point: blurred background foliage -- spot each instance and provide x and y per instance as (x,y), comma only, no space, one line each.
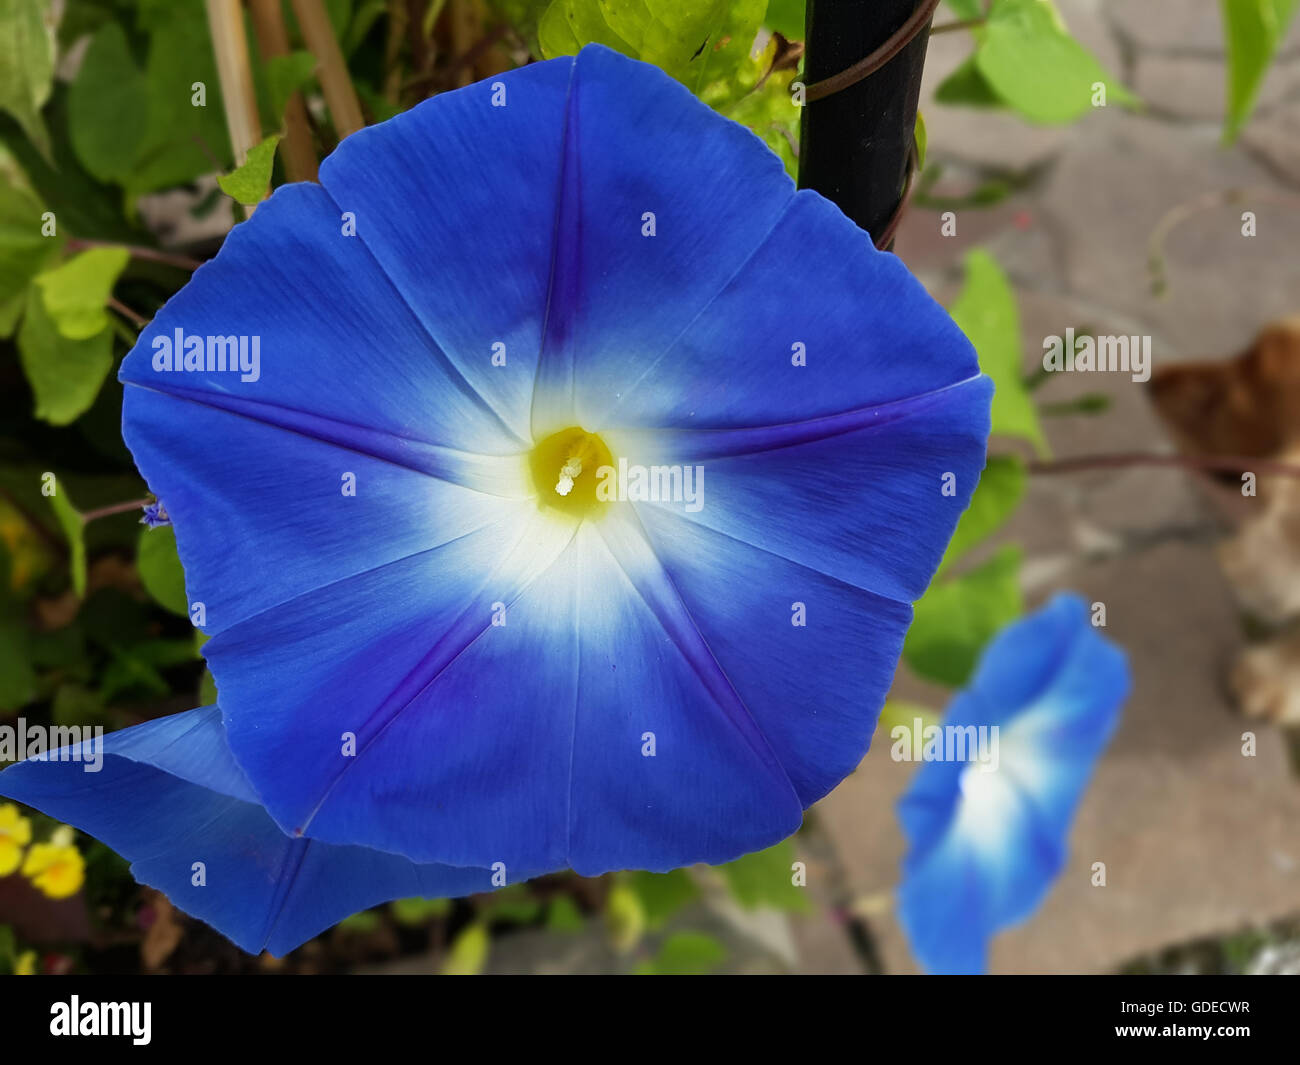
(118,177)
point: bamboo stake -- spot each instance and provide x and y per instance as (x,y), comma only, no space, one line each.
(230,46)
(332,70)
(300,163)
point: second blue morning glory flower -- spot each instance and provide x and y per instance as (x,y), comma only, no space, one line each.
(988,835)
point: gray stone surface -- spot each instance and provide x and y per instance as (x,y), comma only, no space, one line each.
(1183,86)
(1192,86)
(1274,140)
(1168,25)
(1111,189)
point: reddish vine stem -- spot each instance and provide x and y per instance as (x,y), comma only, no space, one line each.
(182,262)
(134,317)
(1121,460)
(114,508)
(961,24)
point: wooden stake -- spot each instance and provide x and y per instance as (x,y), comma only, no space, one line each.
(230,46)
(300,163)
(332,69)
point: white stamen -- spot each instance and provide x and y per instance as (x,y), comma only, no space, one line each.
(568,472)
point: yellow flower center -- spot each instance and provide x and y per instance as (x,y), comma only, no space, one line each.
(566,469)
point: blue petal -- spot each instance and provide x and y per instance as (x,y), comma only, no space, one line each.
(815,291)
(991,868)
(339,348)
(638,143)
(456,199)
(814,687)
(168,794)
(714,788)
(985,846)
(260,511)
(518,742)
(869,498)
(388,661)
(256,475)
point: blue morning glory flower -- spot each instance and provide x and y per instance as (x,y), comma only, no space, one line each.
(986,841)
(554,482)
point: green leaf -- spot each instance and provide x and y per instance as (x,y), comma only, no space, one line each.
(286,75)
(24,252)
(685,954)
(564,916)
(160,569)
(768,110)
(624,917)
(105,103)
(416,911)
(898,712)
(76,293)
(966,9)
(73,526)
(17,672)
(514,904)
(468,953)
(27,65)
(986,312)
(966,87)
(76,705)
(180,141)
(362,923)
(765,878)
(11,310)
(17,677)
(249,182)
(1252,31)
(919,135)
(361,24)
(65,375)
(137,668)
(207,689)
(786,17)
(1090,403)
(696,43)
(523,15)
(1001,486)
(662,894)
(340,14)
(957,617)
(1030,60)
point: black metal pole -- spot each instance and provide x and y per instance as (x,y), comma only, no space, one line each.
(855,143)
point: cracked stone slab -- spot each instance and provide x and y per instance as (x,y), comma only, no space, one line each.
(1274,137)
(1169,25)
(1193,87)
(1111,189)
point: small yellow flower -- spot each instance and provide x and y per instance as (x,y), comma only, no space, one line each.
(56,868)
(15,834)
(26,964)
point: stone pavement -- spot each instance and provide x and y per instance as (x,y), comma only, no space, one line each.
(1197,839)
